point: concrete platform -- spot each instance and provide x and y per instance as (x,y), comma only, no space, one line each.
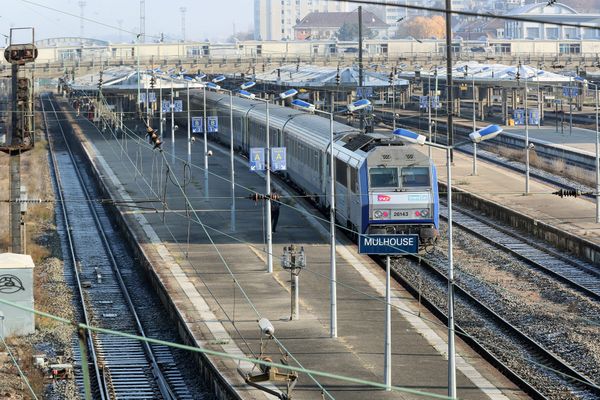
(198,265)
(579,139)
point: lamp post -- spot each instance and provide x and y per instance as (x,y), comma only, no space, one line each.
(474,121)
(518,78)
(160,126)
(218,88)
(597,160)
(526,136)
(248,95)
(357,105)
(172,119)
(189,120)
(486,133)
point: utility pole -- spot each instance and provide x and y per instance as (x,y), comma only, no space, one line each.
(360,62)
(449,159)
(449,85)
(20,137)
(142,21)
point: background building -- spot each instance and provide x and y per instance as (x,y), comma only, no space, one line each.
(275,19)
(555,13)
(319,25)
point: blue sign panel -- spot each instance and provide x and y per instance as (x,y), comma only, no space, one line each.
(534,116)
(519,116)
(197,125)
(178,105)
(166,106)
(213,124)
(151,97)
(388,244)
(569,91)
(278,159)
(429,101)
(257,159)
(364,92)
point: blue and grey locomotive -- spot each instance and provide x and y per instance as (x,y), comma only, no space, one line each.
(382,185)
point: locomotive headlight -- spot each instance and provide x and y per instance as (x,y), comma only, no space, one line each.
(378,214)
(424,213)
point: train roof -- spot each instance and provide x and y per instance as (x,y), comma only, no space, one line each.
(350,145)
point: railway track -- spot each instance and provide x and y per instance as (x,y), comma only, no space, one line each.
(526,362)
(121,368)
(579,275)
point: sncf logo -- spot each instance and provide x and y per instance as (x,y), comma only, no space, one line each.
(383,197)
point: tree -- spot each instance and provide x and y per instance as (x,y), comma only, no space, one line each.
(424,28)
(349,31)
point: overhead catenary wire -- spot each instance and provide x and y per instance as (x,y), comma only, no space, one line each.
(206,226)
(235,280)
(465,13)
(219,354)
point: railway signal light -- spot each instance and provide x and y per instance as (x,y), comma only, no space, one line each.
(152,82)
(154,138)
(568,193)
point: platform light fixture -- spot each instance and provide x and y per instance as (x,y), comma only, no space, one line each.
(486,133)
(287,94)
(218,79)
(213,86)
(358,105)
(489,132)
(304,105)
(247,95)
(247,85)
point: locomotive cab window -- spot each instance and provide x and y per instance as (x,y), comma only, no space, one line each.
(383,177)
(415,176)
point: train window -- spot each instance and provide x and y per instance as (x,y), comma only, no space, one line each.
(383,177)
(340,172)
(415,176)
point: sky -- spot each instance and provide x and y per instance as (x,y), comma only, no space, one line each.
(212,19)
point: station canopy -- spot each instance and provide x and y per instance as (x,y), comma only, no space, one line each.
(126,78)
(492,74)
(296,75)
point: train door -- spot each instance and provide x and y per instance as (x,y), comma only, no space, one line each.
(341,190)
(354,195)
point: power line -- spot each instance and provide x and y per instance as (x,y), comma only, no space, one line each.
(466,335)
(465,13)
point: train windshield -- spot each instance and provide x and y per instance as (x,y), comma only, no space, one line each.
(415,176)
(384,177)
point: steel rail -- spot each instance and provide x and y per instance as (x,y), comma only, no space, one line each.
(157,374)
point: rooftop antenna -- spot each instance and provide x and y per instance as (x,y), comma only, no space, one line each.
(183,11)
(142,37)
(81,26)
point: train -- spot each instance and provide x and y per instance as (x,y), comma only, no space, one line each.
(383,186)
